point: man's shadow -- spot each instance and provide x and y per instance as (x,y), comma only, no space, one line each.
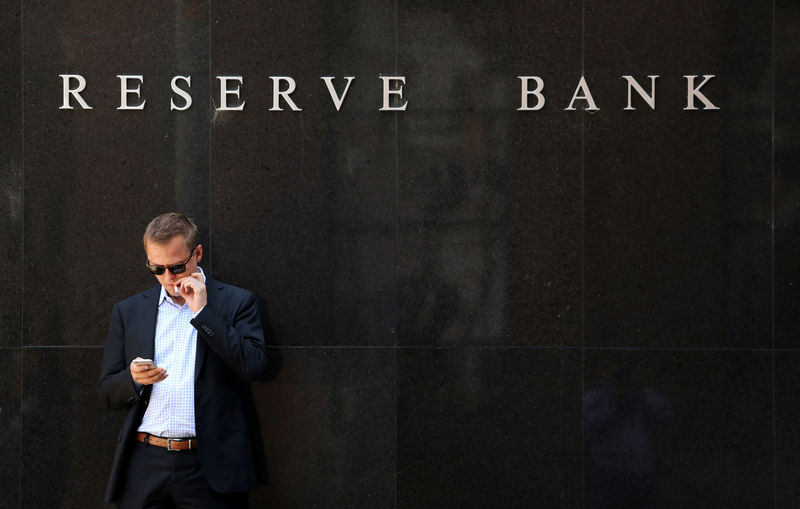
(274,365)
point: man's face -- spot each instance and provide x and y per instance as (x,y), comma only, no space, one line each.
(169,253)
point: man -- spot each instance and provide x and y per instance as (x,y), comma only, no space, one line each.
(188,435)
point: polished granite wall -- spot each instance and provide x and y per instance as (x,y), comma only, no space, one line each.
(473,306)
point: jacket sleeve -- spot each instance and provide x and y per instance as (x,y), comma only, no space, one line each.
(116,387)
(240,345)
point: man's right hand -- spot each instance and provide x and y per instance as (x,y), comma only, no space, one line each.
(146,375)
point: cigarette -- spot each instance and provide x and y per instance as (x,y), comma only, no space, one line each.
(176,289)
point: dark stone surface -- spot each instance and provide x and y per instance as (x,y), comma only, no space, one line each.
(93,178)
(488,212)
(545,252)
(488,428)
(457,256)
(69,440)
(10,425)
(669,429)
(11,206)
(677,204)
(787,176)
(302,203)
(329,427)
(787,429)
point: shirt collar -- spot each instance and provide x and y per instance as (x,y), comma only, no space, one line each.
(165,296)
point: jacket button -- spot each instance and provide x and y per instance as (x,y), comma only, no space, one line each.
(131,399)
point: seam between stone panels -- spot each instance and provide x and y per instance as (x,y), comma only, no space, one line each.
(21,421)
(513,348)
(22,230)
(772,174)
(583,262)
(772,250)
(208,149)
(62,347)
(396,278)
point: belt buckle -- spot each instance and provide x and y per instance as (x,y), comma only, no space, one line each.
(170,440)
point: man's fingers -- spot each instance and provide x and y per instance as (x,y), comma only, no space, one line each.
(138,368)
(142,368)
(151,381)
(194,281)
(155,379)
(157,375)
(150,373)
(186,285)
(146,374)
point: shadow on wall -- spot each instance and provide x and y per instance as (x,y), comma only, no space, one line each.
(274,357)
(621,421)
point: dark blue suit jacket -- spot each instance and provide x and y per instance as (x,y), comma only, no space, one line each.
(230,353)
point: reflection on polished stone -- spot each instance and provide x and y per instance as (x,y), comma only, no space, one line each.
(678,429)
(677,242)
(488,222)
(328,424)
(303,202)
(488,428)
(787,429)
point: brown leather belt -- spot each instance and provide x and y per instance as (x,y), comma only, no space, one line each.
(171,444)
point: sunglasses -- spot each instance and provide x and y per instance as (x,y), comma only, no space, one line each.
(178,268)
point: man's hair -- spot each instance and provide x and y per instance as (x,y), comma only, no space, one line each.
(166,226)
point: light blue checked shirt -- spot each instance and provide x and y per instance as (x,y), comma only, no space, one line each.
(170,412)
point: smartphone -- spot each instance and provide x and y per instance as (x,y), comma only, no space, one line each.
(145,362)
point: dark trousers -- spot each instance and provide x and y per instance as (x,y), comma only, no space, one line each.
(158,478)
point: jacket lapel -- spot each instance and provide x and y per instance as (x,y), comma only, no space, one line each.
(149,315)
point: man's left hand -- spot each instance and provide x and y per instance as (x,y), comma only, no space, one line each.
(193,290)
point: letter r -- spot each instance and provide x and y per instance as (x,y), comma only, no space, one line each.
(74,92)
